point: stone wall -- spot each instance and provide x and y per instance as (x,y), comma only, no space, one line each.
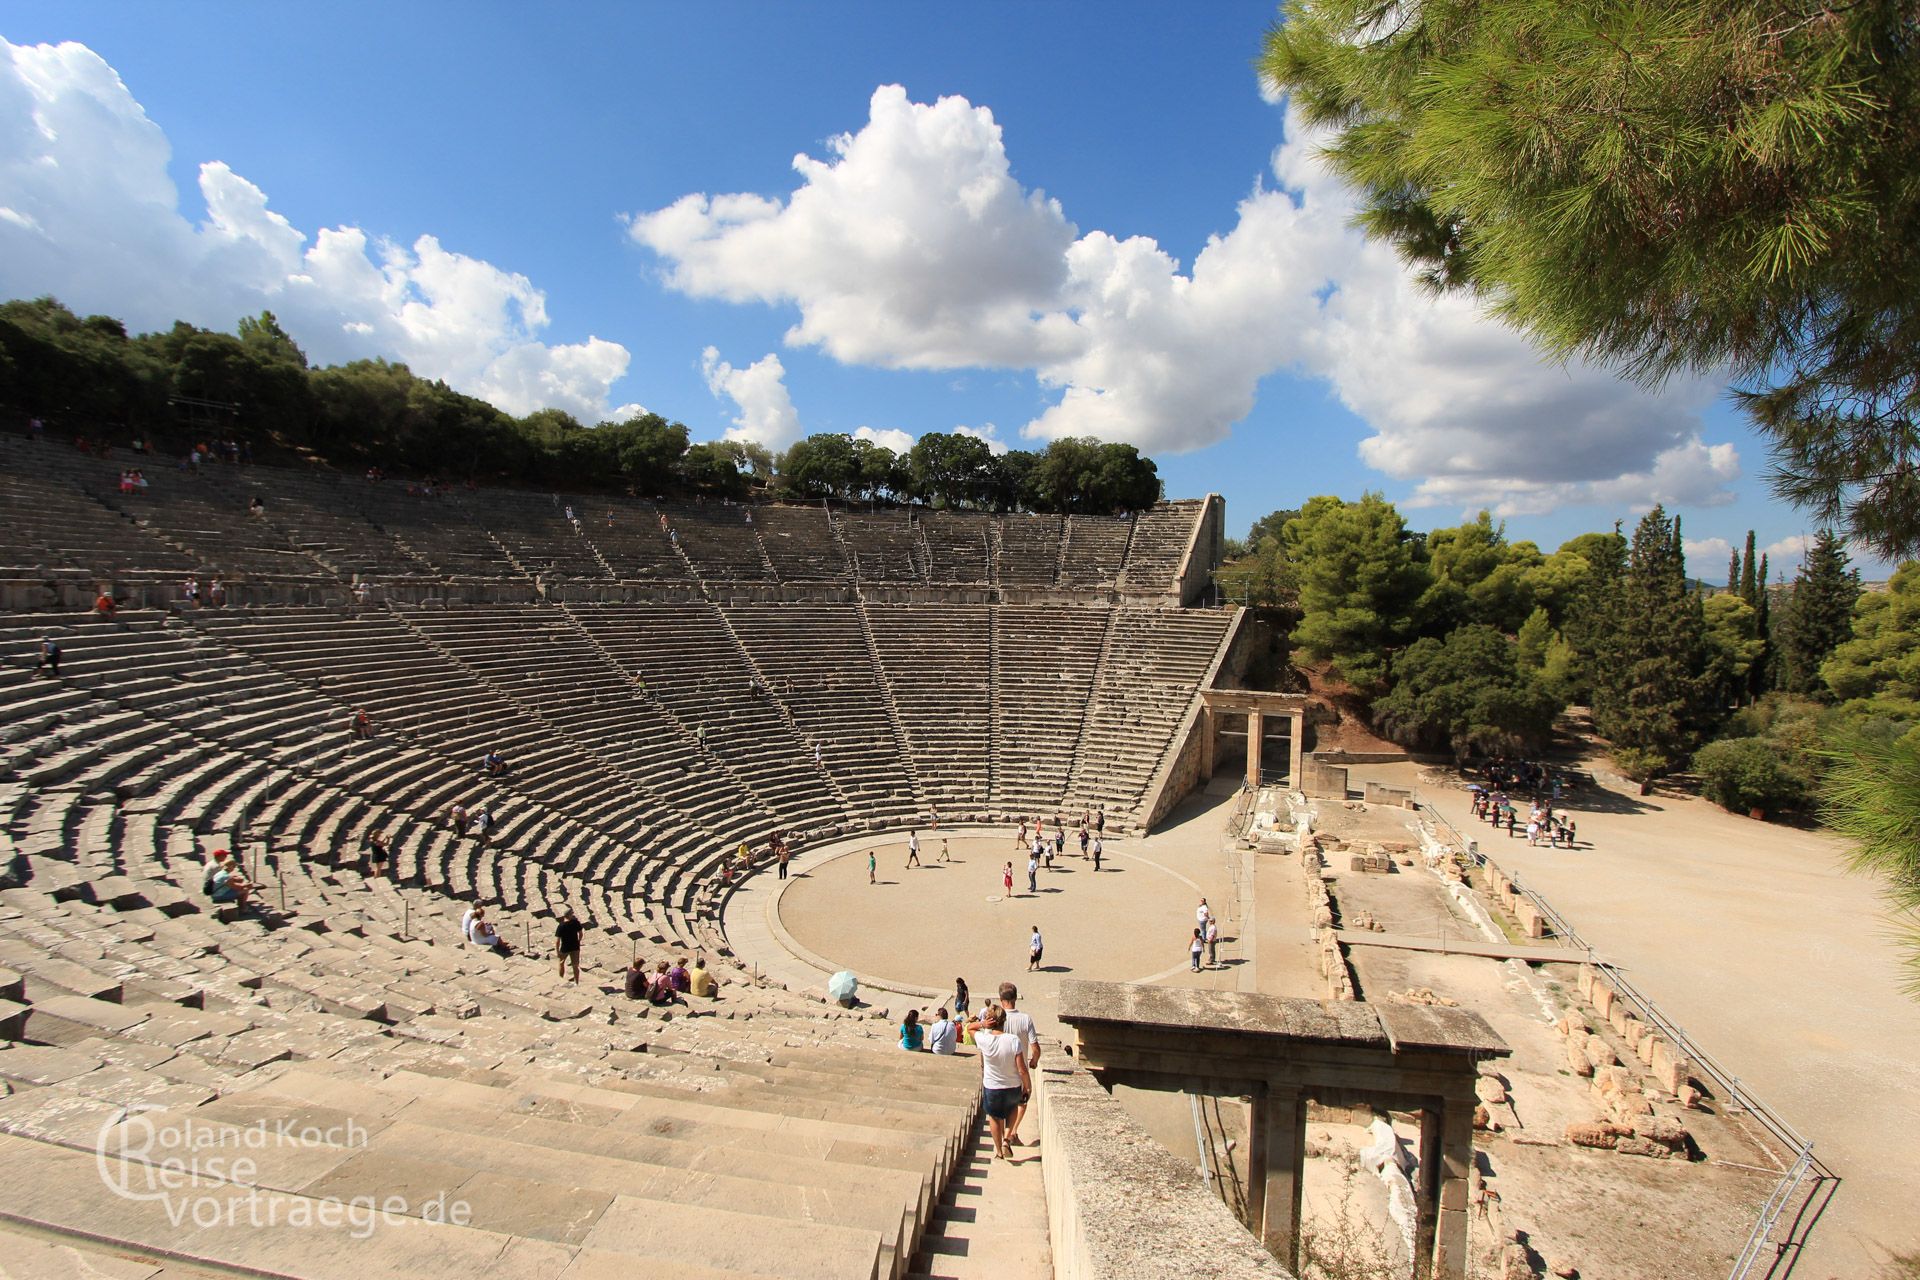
(1204,552)
(1322,781)
(1122,1207)
(1187,766)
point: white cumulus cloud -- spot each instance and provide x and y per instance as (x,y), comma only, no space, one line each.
(911,245)
(759,391)
(93,217)
(891,438)
(989,433)
(1703,553)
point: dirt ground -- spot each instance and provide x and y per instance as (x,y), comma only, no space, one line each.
(1611,1215)
(1753,937)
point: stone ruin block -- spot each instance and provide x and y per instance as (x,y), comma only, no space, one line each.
(1643,1044)
(1603,998)
(1577,1060)
(1584,984)
(1599,1134)
(1671,1070)
(1618,1017)
(1598,1054)
(1636,1146)
(1532,923)
(1668,1132)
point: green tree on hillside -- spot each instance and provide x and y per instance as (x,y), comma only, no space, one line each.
(1467,693)
(1478,576)
(1261,574)
(1359,583)
(1818,616)
(1877,670)
(1664,185)
(1651,655)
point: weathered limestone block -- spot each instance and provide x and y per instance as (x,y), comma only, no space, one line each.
(1515,1264)
(1577,1060)
(1643,1043)
(1527,916)
(1489,1089)
(1599,1054)
(1631,1108)
(1668,1132)
(1670,1069)
(1619,1017)
(1602,999)
(1599,1134)
(1632,1146)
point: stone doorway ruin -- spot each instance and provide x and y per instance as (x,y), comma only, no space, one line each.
(1284,1052)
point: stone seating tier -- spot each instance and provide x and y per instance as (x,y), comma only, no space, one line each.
(66,517)
(584,1129)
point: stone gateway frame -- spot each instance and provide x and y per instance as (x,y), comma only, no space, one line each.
(1283,1052)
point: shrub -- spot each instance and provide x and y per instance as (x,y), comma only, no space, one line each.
(1746,773)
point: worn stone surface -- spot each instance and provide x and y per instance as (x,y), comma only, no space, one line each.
(1129,1197)
(1193,1009)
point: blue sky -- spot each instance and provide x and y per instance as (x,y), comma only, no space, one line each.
(914,280)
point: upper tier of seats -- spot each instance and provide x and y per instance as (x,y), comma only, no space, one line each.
(66,516)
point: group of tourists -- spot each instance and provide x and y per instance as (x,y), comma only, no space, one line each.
(133,480)
(671,982)
(1008,1046)
(1042,849)
(1543,821)
(1205,940)
(223,881)
(216,593)
(475,822)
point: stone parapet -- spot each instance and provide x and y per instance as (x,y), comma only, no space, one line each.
(1121,1207)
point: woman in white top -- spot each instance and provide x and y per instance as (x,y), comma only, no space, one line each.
(1004,1079)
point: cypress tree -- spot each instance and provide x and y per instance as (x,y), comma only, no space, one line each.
(1749,589)
(1733,574)
(1818,615)
(1648,681)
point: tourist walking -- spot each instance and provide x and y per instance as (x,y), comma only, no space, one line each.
(1020,1026)
(960,1002)
(781,856)
(1099,847)
(1194,949)
(1004,1077)
(913,848)
(945,856)
(1033,872)
(566,943)
(873,865)
(1006,880)
(1035,945)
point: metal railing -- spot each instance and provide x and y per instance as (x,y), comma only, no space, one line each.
(1726,1085)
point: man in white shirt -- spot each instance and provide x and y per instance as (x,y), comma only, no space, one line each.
(1021,1025)
(1035,945)
(1201,915)
(942,1035)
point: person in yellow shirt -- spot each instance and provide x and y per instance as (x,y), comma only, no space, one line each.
(701,982)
